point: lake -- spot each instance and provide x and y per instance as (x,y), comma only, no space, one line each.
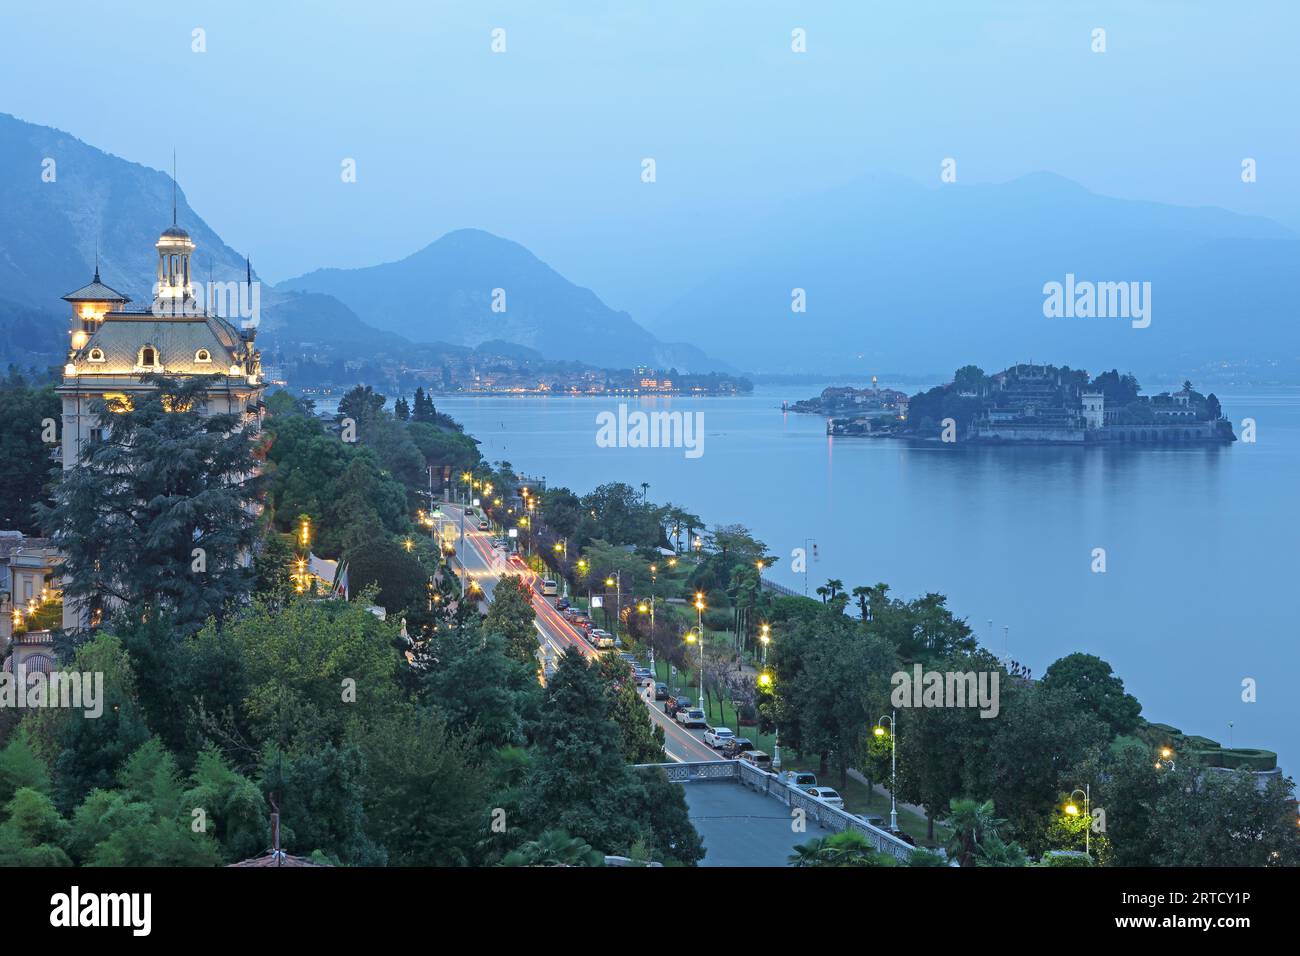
(1197,540)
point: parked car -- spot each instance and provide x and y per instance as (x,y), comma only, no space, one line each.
(549,587)
(661,691)
(826,795)
(733,748)
(674,704)
(758,759)
(643,677)
(799,778)
(562,604)
(484,524)
(691,717)
(715,737)
(602,638)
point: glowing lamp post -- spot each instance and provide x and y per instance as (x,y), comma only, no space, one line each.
(879,731)
(1072,809)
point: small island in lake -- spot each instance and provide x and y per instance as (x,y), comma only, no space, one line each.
(1043,404)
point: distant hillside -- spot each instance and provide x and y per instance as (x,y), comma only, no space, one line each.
(445,292)
(49,231)
(901,276)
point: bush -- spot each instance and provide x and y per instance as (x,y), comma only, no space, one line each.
(1066,858)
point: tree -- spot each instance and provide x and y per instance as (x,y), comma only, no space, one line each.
(314,669)
(1099,689)
(401,579)
(578,780)
(477,688)
(25,455)
(402,410)
(234,808)
(969,378)
(86,752)
(554,848)
(642,741)
(32,831)
(160,511)
(20,767)
(846,848)
(974,824)
(142,822)
(426,792)
(320,789)
(1225,819)
(511,616)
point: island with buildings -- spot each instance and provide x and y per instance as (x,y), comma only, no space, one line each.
(1039,404)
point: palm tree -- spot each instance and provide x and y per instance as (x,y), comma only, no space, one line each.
(555,848)
(862,593)
(645,491)
(973,825)
(836,586)
(846,848)
(823,592)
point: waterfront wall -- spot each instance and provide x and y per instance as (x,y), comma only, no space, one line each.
(770,784)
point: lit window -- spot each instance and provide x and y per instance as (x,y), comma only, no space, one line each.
(96,355)
(202,355)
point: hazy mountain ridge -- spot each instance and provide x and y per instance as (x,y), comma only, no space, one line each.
(445,291)
(902,276)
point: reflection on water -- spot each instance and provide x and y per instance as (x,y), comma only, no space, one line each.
(1198,540)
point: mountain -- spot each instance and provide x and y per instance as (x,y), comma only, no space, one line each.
(445,292)
(901,276)
(50,231)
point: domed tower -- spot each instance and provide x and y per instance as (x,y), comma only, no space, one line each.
(174,290)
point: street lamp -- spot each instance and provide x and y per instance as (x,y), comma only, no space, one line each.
(765,635)
(879,731)
(693,638)
(1072,809)
(1166,757)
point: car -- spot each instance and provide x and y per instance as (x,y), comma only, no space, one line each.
(757,758)
(643,677)
(484,524)
(516,560)
(562,604)
(715,737)
(601,638)
(691,717)
(733,748)
(826,795)
(629,657)
(674,704)
(799,778)
(549,587)
(661,691)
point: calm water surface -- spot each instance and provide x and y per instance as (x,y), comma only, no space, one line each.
(1200,581)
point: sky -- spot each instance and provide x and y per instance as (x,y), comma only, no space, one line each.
(543,143)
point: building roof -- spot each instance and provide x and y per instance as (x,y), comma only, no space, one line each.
(277,858)
(96,291)
(176,339)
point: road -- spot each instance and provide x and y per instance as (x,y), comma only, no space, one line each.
(485,566)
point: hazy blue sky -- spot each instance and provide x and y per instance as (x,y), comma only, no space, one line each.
(543,143)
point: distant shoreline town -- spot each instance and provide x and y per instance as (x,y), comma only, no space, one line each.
(528,379)
(1026,404)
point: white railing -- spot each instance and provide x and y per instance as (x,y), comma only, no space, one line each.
(745,774)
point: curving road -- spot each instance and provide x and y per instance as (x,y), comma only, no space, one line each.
(485,566)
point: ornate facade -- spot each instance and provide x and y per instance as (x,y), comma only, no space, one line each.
(114,346)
